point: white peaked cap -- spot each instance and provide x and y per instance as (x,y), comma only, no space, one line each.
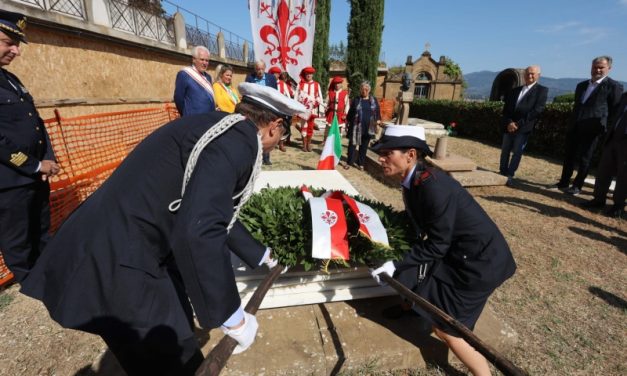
(270,99)
(405,130)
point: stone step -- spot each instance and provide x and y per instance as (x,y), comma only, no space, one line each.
(324,339)
(478,178)
(453,163)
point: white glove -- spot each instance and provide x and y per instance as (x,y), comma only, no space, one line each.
(270,262)
(387,268)
(244,335)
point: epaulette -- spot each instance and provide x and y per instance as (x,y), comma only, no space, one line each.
(423,176)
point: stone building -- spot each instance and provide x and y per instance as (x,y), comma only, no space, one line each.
(428,80)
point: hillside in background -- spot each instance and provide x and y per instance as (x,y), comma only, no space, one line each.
(480,84)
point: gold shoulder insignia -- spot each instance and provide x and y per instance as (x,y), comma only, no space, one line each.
(21,23)
(18,159)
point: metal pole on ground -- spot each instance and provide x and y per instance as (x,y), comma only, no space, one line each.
(220,354)
(500,362)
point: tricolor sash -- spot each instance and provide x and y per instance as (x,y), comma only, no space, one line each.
(200,79)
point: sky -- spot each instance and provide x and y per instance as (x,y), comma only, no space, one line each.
(562,36)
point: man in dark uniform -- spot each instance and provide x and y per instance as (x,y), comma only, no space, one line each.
(26,160)
(459,257)
(613,163)
(158,234)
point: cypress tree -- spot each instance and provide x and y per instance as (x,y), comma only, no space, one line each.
(320,59)
(364,43)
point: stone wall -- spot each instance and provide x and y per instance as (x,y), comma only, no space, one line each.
(82,68)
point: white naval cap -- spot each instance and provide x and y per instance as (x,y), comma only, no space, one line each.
(401,137)
(270,99)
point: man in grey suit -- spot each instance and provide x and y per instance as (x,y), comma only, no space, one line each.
(521,111)
(595,102)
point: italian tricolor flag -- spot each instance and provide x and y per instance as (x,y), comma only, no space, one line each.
(332,151)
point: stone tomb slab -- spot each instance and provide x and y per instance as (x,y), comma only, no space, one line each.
(454,163)
(478,178)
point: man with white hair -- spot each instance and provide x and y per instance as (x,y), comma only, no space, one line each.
(521,111)
(459,257)
(193,90)
(158,235)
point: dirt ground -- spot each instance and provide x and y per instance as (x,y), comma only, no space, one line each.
(567,300)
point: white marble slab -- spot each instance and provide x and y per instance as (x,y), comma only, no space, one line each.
(325,179)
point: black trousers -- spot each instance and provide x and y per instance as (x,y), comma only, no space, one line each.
(581,141)
(158,353)
(24,225)
(613,163)
(156,350)
(363,149)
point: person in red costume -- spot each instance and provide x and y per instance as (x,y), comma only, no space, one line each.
(337,104)
(310,95)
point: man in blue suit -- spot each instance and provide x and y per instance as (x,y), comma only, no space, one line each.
(260,77)
(521,111)
(193,91)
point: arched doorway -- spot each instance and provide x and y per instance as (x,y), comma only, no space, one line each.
(505,81)
(422,84)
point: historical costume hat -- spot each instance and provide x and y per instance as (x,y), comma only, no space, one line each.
(274,70)
(13,24)
(403,137)
(335,80)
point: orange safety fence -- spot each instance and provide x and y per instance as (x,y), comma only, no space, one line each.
(88,149)
(387,108)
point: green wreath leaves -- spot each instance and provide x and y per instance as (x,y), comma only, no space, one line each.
(280,218)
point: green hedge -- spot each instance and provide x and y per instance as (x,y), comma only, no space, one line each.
(480,121)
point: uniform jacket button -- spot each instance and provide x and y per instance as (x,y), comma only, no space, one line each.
(22,99)
(41,142)
(30,114)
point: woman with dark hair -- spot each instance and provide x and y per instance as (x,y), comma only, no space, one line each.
(363,118)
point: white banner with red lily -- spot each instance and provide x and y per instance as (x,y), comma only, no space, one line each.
(283,33)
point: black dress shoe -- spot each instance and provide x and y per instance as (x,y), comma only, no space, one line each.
(592,204)
(616,212)
(573,191)
(395,312)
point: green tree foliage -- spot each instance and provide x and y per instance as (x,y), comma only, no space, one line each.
(452,69)
(150,6)
(320,59)
(564,98)
(364,42)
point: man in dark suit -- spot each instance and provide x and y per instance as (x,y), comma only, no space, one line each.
(26,160)
(158,235)
(460,257)
(521,111)
(260,77)
(595,102)
(613,163)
